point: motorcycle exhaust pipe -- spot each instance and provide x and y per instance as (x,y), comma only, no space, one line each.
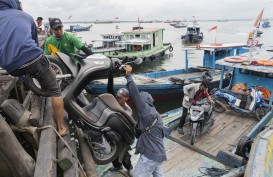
(63,76)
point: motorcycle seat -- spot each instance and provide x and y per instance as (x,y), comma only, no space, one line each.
(238,95)
(112,103)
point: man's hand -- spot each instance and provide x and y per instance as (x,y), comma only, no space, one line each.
(127,69)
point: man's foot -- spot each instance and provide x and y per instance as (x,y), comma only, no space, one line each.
(115,168)
(64,131)
(180,131)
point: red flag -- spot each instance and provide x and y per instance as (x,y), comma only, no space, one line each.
(258,19)
(116,18)
(69,17)
(213,28)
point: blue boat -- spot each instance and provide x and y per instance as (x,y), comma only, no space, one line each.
(78,28)
(266,24)
(165,85)
(232,132)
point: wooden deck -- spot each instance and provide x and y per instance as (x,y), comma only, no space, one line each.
(224,135)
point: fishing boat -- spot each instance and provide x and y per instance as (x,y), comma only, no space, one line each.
(232,132)
(107,43)
(78,28)
(266,24)
(193,35)
(146,43)
(180,24)
(165,85)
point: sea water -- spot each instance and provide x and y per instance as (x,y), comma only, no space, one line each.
(227,32)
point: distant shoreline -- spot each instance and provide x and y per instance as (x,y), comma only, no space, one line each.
(156,21)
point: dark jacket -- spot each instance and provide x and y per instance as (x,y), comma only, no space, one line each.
(150,143)
(18,38)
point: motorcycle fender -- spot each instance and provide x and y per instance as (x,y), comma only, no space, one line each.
(112,136)
(68,62)
(194,125)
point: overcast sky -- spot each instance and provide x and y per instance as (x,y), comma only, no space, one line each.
(91,10)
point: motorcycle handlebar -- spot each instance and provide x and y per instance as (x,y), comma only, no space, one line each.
(120,63)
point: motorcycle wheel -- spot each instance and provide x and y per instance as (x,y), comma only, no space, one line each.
(102,159)
(219,105)
(244,149)
(58,67)
(259,113)
(193,135)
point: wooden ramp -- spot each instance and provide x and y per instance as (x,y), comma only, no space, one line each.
(224,135)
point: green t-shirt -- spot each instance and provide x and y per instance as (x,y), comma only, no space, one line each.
(67,45)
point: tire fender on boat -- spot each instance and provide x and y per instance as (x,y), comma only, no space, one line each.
(235,59)
(171,49)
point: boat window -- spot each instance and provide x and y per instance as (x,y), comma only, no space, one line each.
(223,53)
(137,36)
(132,36)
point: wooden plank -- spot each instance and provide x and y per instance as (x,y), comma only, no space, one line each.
(37,105)
(89,164)
(46,163)
(13,154)
(67,161)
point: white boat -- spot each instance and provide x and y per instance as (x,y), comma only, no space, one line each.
(108,43)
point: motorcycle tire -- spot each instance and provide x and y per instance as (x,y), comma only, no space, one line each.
(58,67)
(193,135)
(243,148)
(115,150)
(259,113)
(219,105)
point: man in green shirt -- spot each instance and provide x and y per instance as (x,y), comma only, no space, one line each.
(61,41)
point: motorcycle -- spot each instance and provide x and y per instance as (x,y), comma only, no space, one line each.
(108,129)
(251,103)
(200,118)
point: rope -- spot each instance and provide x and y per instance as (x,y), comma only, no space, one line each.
(75,156)
(213,172)
(25,129)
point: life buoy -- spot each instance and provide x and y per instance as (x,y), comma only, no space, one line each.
(235,59)
(171,49)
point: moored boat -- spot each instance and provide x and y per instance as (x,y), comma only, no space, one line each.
(146,43)
(193,35)
(78,28)
(108,43)
(165,85)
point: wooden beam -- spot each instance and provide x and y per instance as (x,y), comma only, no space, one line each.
(89,164)
(66,160)
(13,154)
(46,163)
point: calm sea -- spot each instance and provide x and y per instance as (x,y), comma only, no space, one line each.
(227,32)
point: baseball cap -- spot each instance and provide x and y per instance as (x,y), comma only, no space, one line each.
(123,92)
(55,23)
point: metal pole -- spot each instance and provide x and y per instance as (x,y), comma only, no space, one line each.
(186,60)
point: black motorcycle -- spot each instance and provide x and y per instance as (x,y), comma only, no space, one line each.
(108,129)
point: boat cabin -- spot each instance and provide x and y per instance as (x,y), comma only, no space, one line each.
(140,39)
(214,52)
(108,43)
(252,75)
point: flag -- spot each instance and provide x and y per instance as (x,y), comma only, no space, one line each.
(258,19)
(69,17)
(116,18)
(213,28)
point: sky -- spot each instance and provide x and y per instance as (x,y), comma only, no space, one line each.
(90,10)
